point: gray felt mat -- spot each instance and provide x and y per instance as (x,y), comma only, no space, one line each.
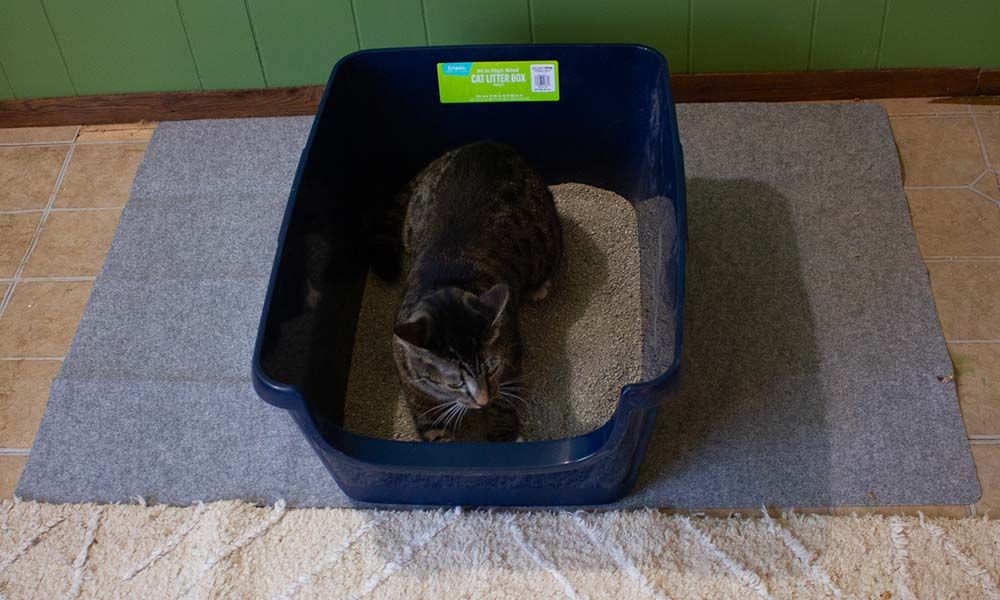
(813,350)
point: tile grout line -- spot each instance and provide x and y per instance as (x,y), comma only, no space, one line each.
(944,115)
(961,259)
(14,451)
(73,142)
(982,143)
(28,211)
(21,211)
(38,228)
(57,278)
(971,187)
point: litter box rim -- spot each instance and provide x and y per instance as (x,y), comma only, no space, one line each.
(639,400)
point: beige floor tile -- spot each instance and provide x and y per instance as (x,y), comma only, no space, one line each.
(16,231)
(24,389)
(10,472)
(73,243)
(118,132)
(100,176)
(977,374)
(28,175)
(23,135)
(938,150)
(989,126)
(988,468)
(954,511)
(41,318)
(989,185)
(923,106)
(966,296)
(955,223)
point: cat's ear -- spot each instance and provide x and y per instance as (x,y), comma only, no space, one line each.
(495,300)
(414,332)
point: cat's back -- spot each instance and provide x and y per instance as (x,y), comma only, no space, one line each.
(482,195)
(483,211)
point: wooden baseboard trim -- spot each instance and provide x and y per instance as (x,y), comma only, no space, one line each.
(707,87)
(989,82)
(825,85)
(160,106)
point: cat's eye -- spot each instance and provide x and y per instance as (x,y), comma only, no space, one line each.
(456,386)
(492,365)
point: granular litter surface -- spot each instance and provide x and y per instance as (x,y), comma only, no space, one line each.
(582,343)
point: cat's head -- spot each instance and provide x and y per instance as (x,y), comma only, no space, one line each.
(452,348)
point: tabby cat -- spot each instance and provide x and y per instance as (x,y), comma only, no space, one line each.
(481,233)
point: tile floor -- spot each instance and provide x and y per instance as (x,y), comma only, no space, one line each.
(62,189)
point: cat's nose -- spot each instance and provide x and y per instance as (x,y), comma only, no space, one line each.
(480,394)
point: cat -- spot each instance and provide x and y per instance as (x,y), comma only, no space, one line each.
(481,234)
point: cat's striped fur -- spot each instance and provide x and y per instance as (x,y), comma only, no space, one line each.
(482,234)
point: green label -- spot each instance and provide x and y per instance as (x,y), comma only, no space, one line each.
(506,81)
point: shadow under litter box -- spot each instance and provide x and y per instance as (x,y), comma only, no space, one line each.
(582,343)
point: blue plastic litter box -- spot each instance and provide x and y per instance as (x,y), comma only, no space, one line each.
(380,121)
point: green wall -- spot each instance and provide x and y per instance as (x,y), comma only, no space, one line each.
(67,47)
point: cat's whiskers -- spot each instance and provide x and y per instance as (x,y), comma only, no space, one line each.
(436,407)
(446,414)
(454,414)
(512,395)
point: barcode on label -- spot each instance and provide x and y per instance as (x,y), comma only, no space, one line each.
(543,78)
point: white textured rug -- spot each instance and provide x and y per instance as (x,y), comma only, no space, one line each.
(236,550)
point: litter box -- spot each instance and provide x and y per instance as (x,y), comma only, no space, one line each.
(610,123)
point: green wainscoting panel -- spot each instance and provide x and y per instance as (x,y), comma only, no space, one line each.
(115,46)
(300,40)
(65,47)
(662,24)
(938,33)
(477,21)
(390,23)
(757,35)
(29,53)
(846,34)
(222,43)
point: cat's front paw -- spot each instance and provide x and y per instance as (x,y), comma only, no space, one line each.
(542,292)
(438,435)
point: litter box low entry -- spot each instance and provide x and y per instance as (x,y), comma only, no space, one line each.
(600,352)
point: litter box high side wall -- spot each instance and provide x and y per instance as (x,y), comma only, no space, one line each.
(73,47)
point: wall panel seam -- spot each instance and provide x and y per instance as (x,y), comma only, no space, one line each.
(812,36)
(357,28)
(690,39)
(531,21)
(427,31)
(256,45)
(187,38)
(3,72)
(427,23)
(62,57)
(881,34)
